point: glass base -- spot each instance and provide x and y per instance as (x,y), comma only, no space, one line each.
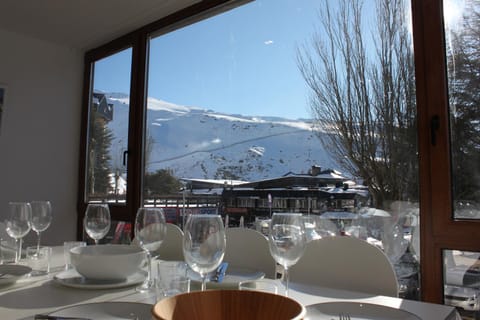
(146,286)
(38,273)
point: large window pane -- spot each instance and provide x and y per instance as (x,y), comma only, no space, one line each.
(462,25)
(106,172)
(305,106)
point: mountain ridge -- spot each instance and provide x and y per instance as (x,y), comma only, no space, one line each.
(200,143)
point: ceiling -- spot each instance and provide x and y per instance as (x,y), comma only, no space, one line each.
(83,24)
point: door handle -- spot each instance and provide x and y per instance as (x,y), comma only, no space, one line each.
(125,156)
(434,126)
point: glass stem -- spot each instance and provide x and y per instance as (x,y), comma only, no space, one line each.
(38,242)
(204,282)
(149,268)
(287,280)
(18,252)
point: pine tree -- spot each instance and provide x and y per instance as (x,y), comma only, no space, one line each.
(100,138)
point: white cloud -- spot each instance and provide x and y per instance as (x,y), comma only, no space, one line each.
(268,42)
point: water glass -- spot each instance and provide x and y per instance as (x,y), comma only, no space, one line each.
(7,250)
(67,246)
(204,243)
(41,217)
(39,260)
(97,221)
(172,278)
(286,241)
(150,230)
(18,224)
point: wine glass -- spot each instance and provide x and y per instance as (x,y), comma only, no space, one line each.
(204,244)
(41,218)
(287,241)
(150,230)
(97,221)
(18,224)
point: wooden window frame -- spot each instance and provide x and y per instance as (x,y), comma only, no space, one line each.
(439,231)
(138,41)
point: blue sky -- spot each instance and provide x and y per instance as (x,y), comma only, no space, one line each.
(241,62)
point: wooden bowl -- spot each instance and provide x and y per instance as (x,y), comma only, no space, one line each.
(228,305)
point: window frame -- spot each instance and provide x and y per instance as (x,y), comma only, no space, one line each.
(118,211)
(138,41)
(439,230)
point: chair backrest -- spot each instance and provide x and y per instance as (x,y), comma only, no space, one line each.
(344,262)
(248,248)
(172,246)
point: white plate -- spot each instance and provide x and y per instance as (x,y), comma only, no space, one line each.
(107,311)
(357,311)
(232,278)
(12,272)
(71,278)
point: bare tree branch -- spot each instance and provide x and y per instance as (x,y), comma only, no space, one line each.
(362,95)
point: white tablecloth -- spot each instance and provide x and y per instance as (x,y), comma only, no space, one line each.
(42,295)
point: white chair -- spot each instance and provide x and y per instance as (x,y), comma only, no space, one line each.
(248,248)
(172,246)
(344,262)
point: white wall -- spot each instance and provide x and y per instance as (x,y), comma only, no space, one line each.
(40,130)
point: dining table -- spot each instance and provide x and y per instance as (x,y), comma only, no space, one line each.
(31,295)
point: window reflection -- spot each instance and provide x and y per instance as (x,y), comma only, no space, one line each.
(462,22)
(106,172)
(462,281)
(300,111)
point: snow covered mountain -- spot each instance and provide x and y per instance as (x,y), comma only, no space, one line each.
(204,144)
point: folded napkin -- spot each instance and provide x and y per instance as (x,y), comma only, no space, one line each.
(220,273)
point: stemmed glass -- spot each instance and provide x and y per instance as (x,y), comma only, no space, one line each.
(287,241)
(150,230)
(18,224)
(41,218)
(97,221)
(204,244)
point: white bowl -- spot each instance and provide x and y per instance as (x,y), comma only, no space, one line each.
(107,262)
